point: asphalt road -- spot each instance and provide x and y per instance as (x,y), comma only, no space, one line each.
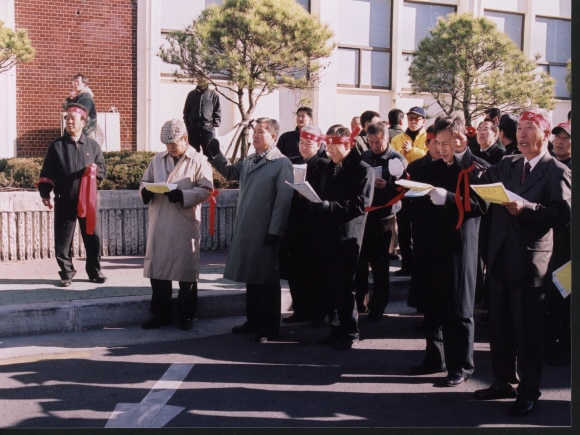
(208,377)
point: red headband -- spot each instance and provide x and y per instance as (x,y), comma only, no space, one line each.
(430,136)
(336,140)
(310,136)
(537,118)
(78,110)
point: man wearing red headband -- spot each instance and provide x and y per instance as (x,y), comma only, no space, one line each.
(520,248)
(69,159)
(296,263)
(346,188)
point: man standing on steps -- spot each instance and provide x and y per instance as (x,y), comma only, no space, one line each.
(201,114)
(82,94)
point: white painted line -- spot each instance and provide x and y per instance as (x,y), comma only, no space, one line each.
(152,411)
(276,414)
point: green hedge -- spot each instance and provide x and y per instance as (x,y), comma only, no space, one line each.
(125,169)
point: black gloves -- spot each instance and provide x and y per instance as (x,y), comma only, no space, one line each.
(174,195)
(272,238)
(146,195)
(319,207)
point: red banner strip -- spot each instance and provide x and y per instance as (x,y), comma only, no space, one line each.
(87,205)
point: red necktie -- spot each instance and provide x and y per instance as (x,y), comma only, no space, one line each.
(527,169)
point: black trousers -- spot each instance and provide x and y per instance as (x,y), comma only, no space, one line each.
(302,285)
(374,250)
(199,137)
(558,334)
(65,218)
(449,341)
(516,317)
(404,229)
(337,283)
(263,308)
(161,299)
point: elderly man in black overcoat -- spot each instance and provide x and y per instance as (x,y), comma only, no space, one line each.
(454,220)
(346,188)
(296,262)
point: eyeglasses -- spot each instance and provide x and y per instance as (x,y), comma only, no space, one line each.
(483,129)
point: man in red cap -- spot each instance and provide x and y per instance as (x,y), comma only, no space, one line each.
(520,248)
(69,169)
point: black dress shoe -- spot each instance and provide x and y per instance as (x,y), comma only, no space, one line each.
(99,279)
(402,272)
(454,380)
(294,318)
(65,282)
(156,322)
(522,407)
(496,391)
(244,329)
(559,359)
(363,310)
(317,323)
(185,324)
(374,317)
(424,369)
(345,342)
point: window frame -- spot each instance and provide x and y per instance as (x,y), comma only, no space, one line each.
(405,53)
(362,48)
(545,63)
(523,15)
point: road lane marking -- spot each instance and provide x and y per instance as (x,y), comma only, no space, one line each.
(275,414)
(152,411)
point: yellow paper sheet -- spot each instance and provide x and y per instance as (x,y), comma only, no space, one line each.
(562,279)
(494,193)
(160,187)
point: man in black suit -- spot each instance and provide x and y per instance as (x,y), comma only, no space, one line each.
(296,263)
(420,227)
(376,245)
(508,125)
(346,189)
(487,135)
(454,219)
(289,141)
(520,248)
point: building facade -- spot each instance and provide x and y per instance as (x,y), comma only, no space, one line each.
(115,43)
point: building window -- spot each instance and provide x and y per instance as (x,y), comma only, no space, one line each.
(510,24)
(364,49)
(553,38)
(304,3)
(417,20)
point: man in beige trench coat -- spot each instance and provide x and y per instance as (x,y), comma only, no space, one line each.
(263,207)
(173,241)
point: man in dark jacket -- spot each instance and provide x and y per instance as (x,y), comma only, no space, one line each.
(288,141)
(296,263)
(201,114)
(346,188)
(379,225)
(82,94)
(454,220)
(67,160)
(508,126)
(487,135)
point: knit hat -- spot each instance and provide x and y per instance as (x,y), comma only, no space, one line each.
(173,130)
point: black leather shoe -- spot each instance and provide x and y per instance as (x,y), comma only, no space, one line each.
(185,324)
(99,279)
(243,329)
(522,407)
(345,343)
(454,380)
(363,310)
(496,391)
(317,323)
(294,318)
(424,369)
(402,272)
(374,317)
(157,322)
(65,282)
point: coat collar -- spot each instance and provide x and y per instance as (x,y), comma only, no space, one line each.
(272,154)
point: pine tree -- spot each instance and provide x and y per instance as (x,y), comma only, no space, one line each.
(15,48)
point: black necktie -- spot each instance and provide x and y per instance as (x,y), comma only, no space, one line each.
(526,172)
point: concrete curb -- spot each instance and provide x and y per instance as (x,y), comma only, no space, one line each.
(78,315)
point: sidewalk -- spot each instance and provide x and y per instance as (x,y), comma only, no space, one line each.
(32,301)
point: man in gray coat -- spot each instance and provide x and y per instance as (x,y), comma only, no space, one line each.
(263,207)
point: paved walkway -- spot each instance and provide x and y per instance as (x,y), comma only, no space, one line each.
(37,281)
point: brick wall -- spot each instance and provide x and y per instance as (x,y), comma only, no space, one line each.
(97,38)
